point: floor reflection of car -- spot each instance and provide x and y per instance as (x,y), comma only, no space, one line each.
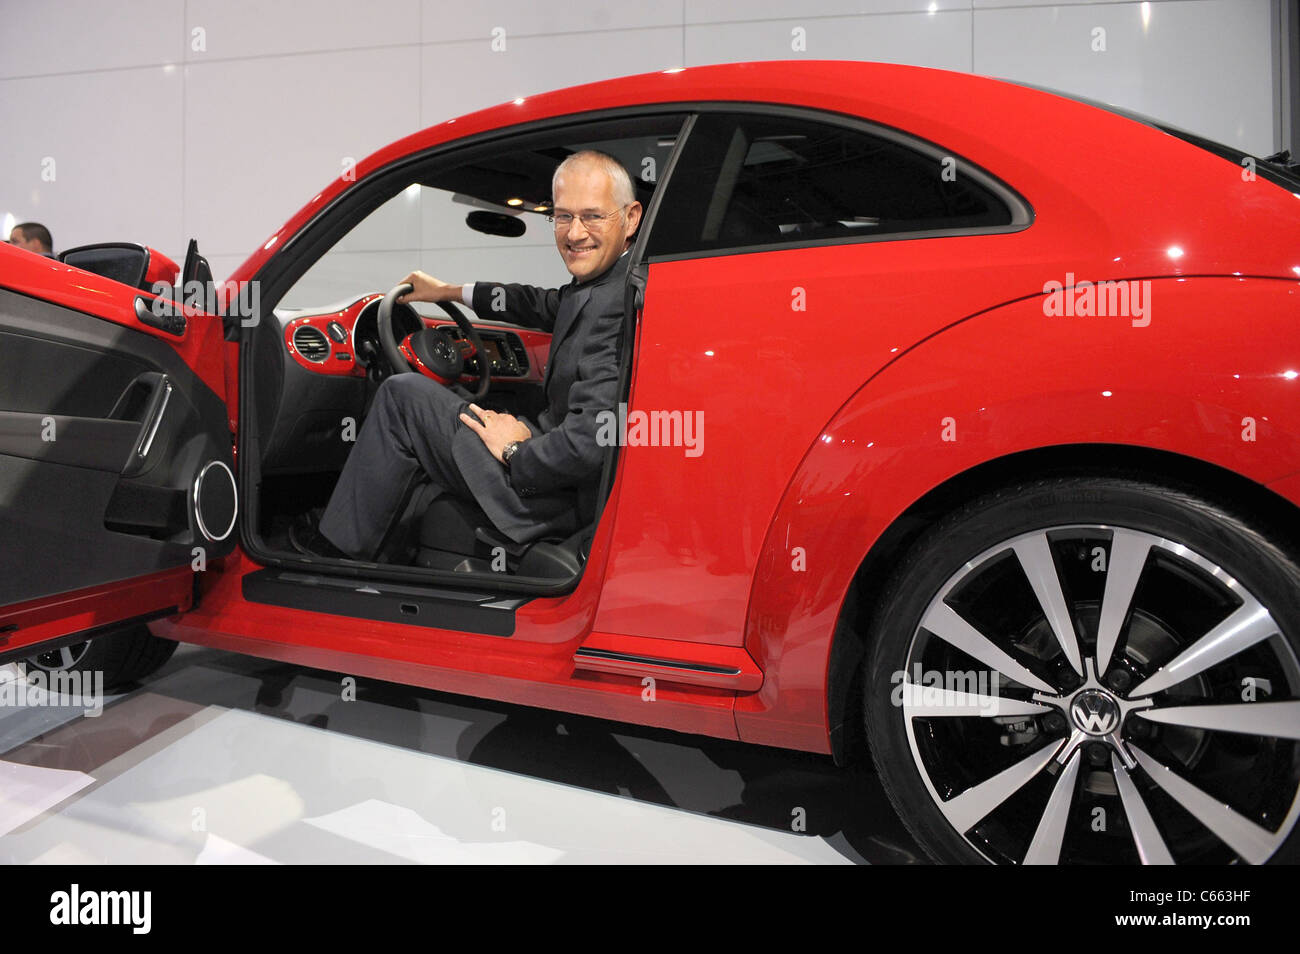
(997,483)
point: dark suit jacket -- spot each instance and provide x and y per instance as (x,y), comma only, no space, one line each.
(555,475)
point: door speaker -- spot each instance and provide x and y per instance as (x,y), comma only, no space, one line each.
(216,505)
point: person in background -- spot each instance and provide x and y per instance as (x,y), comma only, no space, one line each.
(34,237)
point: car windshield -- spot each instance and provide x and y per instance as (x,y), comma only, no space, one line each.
(1279,170)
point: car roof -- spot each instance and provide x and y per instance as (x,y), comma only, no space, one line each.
(1042,143)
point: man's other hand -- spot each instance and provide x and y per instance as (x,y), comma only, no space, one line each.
(428,288)
(496,429)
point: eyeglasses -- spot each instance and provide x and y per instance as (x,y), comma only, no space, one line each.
(591,221)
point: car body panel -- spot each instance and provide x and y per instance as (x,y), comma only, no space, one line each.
(1185,385)
(37,622)
(50,280)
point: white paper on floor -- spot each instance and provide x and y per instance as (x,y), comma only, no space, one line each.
(402,832)
(28,790)
(218,851)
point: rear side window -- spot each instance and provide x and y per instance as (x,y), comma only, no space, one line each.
(757,180)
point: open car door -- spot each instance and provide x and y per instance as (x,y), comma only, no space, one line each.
(116,469)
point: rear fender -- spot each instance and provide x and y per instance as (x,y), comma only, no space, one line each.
(1209,373)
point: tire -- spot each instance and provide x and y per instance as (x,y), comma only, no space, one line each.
(124,657)
(997,742)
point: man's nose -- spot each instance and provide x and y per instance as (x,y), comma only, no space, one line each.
(576,221)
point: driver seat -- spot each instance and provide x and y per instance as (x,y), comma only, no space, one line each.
(444,532)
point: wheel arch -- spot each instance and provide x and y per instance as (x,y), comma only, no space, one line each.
(851,639)
(1170,398)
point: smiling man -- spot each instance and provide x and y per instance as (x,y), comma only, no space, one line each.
(530,479)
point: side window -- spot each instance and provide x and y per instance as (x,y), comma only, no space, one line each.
(482,217)
(754,180)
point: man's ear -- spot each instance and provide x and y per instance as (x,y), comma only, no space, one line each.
(633,218)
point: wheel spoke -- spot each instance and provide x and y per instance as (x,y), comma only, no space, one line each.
(1179,625)
(1035,556)
(1239,833)
(1247,625)
(1280,720)
(1146,836)
(944,622)
(964,811)
(1045,849)
(931,701)
(1128,557)
(66,658)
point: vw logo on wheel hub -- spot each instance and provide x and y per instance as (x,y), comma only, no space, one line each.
(1095,712)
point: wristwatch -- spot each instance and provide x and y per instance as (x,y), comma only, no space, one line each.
(509,451)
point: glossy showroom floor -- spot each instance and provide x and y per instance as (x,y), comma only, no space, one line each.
(222,758)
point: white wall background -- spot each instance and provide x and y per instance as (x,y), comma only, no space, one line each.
(155,141)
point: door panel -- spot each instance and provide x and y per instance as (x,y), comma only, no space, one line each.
(104,432)
(29,627)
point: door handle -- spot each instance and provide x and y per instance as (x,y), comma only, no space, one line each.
(155,409)
(152,422)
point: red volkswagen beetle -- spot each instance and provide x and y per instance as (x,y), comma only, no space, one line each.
(961,426)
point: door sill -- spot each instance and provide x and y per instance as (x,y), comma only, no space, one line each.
(499,584)
(439,607)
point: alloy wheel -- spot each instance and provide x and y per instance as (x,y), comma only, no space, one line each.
(1094,693)
(59,659)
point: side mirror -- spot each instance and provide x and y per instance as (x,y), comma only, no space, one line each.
(197,274)
(196,267)
(496,223)
(121,261)
(135,265)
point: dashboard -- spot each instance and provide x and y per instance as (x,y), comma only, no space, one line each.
(319,370)
(345,341)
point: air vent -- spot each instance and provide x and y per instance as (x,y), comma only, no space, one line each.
(311,343)
(521,353)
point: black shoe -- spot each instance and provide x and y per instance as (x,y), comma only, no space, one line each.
(309,541)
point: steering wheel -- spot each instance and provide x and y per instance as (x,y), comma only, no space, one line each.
(428,351)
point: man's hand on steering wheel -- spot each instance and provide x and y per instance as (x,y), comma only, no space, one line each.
(427,288)
(428,351)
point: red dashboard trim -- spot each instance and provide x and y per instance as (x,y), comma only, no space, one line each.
(536,343)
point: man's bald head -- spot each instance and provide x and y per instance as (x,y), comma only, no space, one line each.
(624,194)
(596,212)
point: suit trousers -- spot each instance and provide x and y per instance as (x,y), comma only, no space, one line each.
(413,433)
